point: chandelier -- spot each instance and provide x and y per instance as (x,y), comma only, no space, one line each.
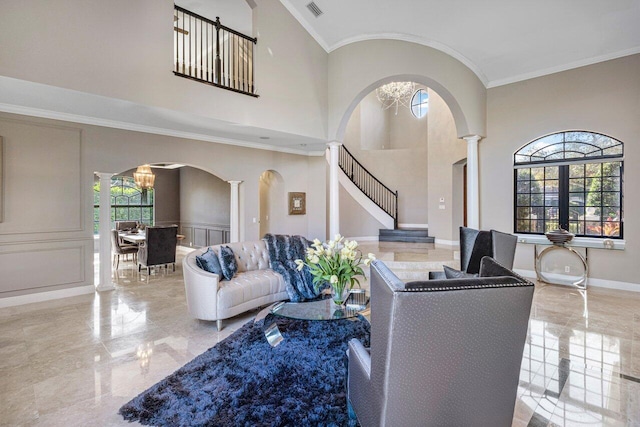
(395,94)
(143,177)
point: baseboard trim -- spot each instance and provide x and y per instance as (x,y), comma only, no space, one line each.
(46,296)
(598,283)
(447,242)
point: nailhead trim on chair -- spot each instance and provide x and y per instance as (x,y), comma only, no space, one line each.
(461,288)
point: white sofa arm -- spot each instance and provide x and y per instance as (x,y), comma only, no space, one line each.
(201,288)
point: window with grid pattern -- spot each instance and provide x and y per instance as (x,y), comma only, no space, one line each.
(128,202)
(570,180)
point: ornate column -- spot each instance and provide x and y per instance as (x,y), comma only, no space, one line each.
(234,221)
(473,177)
(334,189)
(104,227)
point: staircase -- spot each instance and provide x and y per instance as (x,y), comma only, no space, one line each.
(408,235)
(378,199)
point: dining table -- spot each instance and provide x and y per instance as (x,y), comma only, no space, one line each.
(132,237)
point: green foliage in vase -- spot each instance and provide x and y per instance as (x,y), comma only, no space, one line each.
(336,262)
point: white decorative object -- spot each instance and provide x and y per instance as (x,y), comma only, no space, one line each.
(395,94)
(559,236)
(607,243)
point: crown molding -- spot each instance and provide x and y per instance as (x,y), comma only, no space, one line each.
(565,67)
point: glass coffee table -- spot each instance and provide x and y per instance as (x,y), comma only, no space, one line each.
(323,309)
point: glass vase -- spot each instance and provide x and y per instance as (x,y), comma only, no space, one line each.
(340,292)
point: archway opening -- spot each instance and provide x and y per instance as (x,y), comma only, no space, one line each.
(418,136)
(272,203)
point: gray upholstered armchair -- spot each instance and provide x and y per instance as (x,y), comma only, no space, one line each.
(443,352)
(159,247)
(476,244)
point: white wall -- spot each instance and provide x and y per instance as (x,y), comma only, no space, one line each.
(417,160)
(445,149)
(273,204)
(394,149)
(601,98)
(49,212)
(204,198)
(46,235)
(124,50)
(358,68)
(234,14)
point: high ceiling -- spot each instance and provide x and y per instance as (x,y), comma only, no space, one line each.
(502,41)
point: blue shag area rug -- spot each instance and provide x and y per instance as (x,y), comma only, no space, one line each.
(243,381)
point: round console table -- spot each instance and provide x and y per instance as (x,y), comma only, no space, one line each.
(550,277)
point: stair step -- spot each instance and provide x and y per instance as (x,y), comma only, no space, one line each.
(406,235)
(413,232)
(407,239)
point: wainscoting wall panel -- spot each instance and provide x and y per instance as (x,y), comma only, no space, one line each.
(44,246)
(42,178)
(199,235)
(44,266)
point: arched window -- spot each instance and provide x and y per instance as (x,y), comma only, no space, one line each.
(128,202)
(420,103)
(571,180)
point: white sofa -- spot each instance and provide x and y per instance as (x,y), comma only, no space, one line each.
(253,286)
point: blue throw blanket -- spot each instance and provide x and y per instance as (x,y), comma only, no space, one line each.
(283,251)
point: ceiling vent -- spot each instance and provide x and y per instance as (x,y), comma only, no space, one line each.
(314,9)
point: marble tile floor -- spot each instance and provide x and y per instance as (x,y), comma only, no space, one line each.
(75,361)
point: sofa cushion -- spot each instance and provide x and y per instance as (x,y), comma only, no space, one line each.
(208,261)
(251,255)
(249,285)
(227,262)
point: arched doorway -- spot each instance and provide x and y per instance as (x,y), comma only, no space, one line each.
(272,202)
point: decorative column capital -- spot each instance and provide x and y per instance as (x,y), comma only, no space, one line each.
(235,183)
(334,144)
(472,139)
(104,175)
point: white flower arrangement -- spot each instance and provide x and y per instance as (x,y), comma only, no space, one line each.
(336,262)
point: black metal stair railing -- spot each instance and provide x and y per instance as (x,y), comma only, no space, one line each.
(209,52)
(380,194)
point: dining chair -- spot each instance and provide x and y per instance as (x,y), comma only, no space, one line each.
(158,247)
(121,249)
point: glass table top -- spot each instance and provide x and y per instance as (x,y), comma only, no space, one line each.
(324,309)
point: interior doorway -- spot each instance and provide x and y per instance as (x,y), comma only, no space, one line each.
(272,202)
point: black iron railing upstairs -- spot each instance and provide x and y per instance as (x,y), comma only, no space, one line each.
(209,52)
(375,190)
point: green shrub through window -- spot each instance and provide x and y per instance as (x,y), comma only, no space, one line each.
(128,202)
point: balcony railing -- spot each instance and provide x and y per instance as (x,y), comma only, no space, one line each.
(209,52)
